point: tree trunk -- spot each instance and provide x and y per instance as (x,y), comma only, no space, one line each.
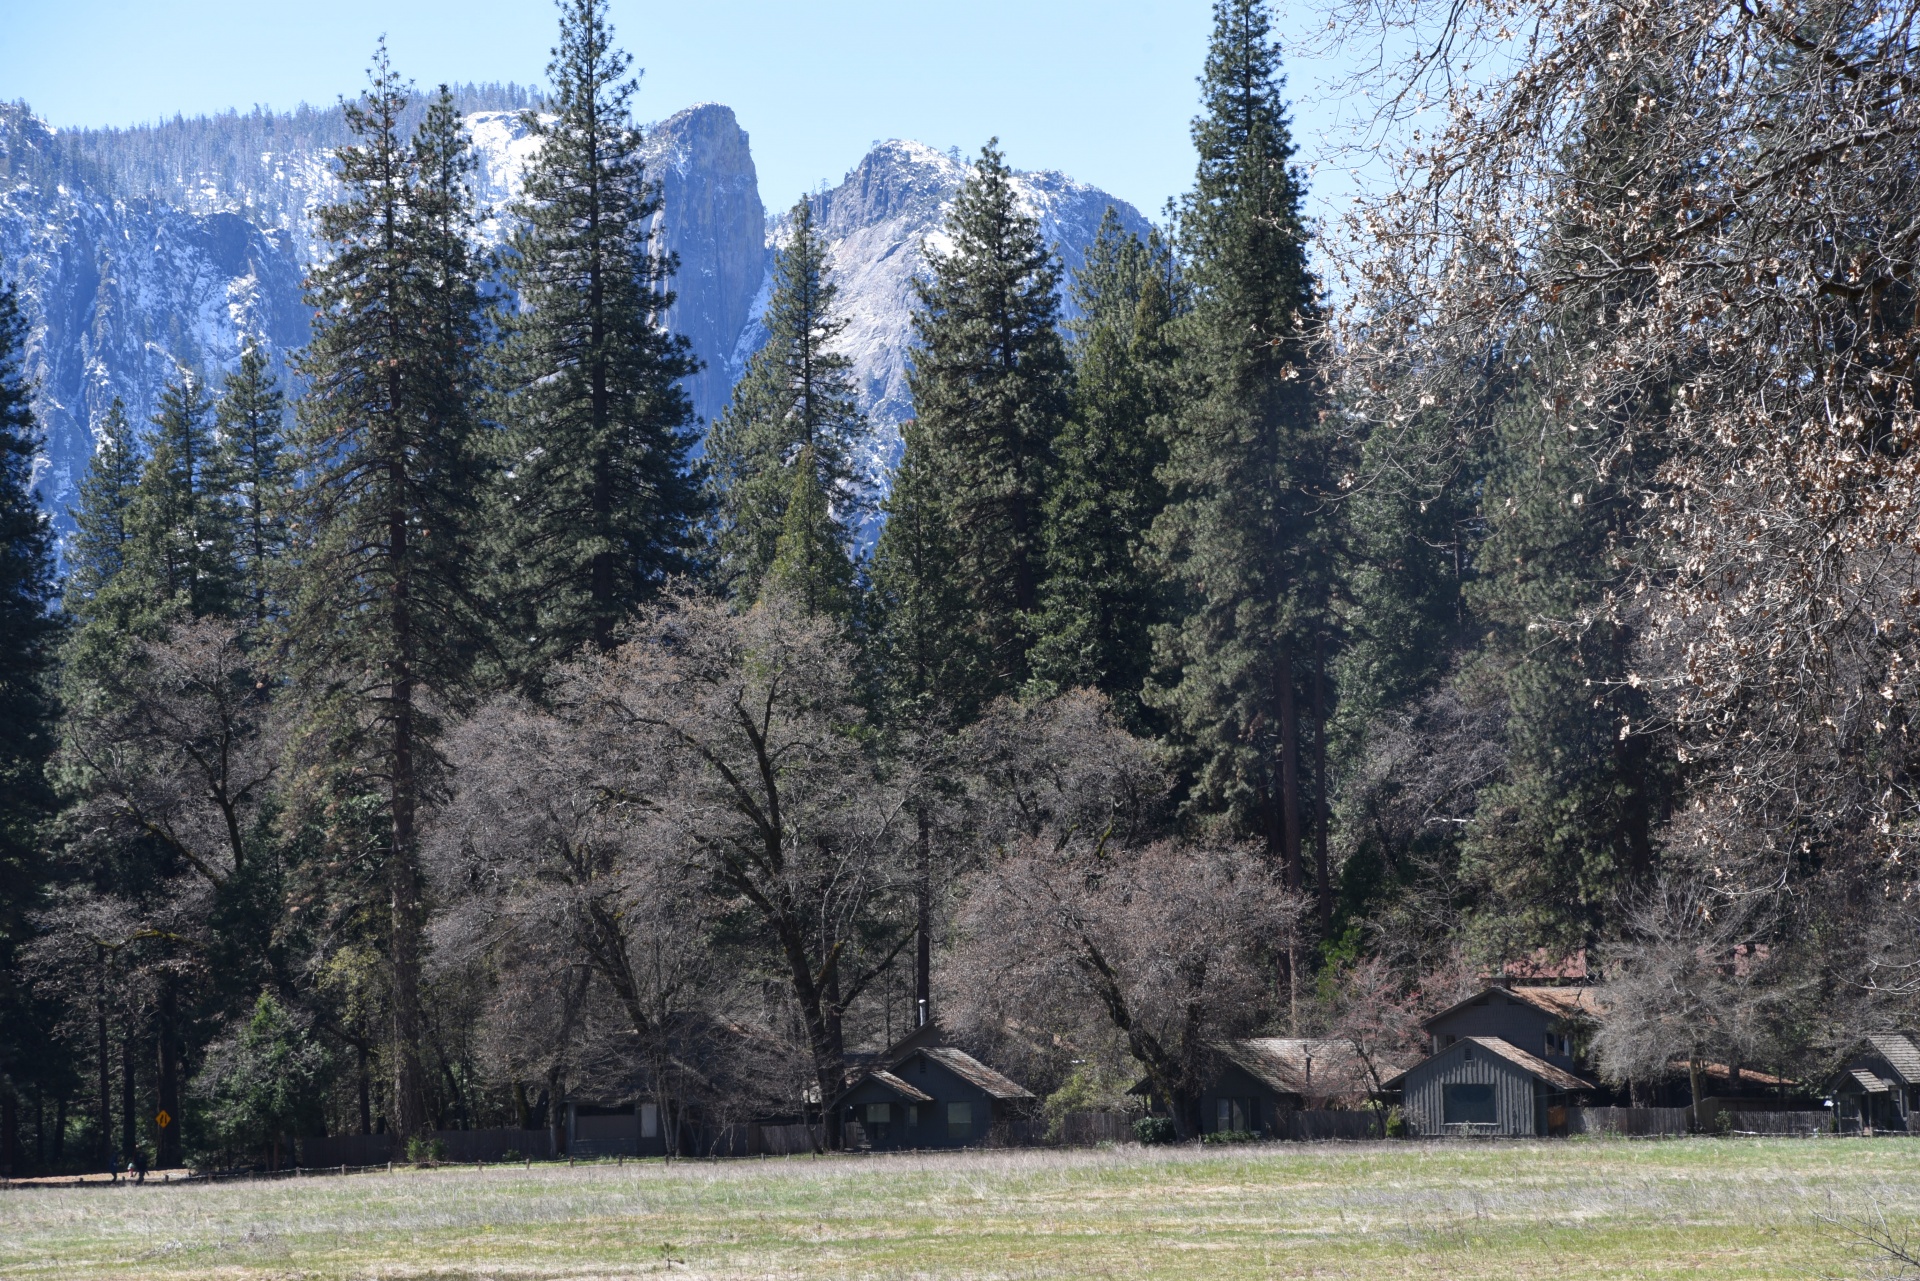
(923,924)
(167,1084)
(128,1131)
(403,871)
(366,1091)
(1696,1083)
(1289,769)
(9,1134)
(59,1130)
(105,1152)
(1322,874)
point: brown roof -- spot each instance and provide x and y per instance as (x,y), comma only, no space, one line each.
(1309,1068)
(1559,1078)
(900,1087)
(1869,1082)
(1749,1076)
(1583,1002)
(970,1069)
(1900,1053)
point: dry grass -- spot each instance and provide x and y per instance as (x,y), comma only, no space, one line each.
(1566,1210)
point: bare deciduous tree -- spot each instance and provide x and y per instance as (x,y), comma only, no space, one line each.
(1171,946)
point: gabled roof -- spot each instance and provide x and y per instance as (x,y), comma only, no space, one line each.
(1539,1068)
(1296,1065)
(1869,1082)
(1900,1053)
(1582,1003)
(899,1087)
(973,1071)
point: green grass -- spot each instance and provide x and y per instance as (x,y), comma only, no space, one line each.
(1562,1210)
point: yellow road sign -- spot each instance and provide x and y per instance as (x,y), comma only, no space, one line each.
(165,1118)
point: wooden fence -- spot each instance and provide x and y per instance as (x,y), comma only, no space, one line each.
(1634,1122)
(455,1145)
(1086,1128)
(1314,1126)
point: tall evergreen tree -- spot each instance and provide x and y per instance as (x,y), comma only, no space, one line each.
(382,624)
(251,424)
(1101,596)
(27,637)
(103,530)
(922,650)
(810,562)
(600,504)
(182,543)
(991,383)
(1244,536)
(797,397)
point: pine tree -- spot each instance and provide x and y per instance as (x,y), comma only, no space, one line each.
(251,424)
(810,564)
(1101,596)
(28,635)
(182,531)
(923,651)
(600,505)
(383,618)
(1244,536)
(103,530)
(797,396)
(990,383)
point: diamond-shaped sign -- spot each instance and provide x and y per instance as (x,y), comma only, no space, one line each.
(165,1118)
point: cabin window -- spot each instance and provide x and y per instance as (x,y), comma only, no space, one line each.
(959,1120)
(879,1113)
(1468,1104)
(649,1120)
(1466,1055)
(913,1115)
(1553,1044)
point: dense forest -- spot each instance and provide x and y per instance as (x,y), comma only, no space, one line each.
(475,731)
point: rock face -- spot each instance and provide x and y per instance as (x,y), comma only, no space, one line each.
(121,292)
(712,219)
(879,224)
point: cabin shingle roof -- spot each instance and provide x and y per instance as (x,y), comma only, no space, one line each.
(972,1070)
(1900,1053)
(1869,1082)
(1559,1078)
(899,1087)
(1583,1003)
(1296,1065)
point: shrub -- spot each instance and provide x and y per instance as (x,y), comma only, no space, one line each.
(422,1149)
(1155,1129)
(1229,1136)
(1396,1123)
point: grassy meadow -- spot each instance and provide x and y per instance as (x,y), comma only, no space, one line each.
(1562,1210)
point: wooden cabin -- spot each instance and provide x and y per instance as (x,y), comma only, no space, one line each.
(1253,1085)
(929,1096)
(1486,1086)
(1878,1091)
(1551,1023)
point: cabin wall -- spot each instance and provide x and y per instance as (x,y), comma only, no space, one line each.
(1252,1102)
(1512,1021)
(1515,1107)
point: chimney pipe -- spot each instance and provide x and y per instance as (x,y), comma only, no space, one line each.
(923,1012)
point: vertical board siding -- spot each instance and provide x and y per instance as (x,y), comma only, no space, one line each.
(1513,1092)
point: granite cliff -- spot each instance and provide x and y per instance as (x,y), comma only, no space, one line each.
(140,252)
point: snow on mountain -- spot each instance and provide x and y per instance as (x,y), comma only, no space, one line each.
(122,291)
(880,224)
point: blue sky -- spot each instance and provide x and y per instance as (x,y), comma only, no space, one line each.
(1102,89)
